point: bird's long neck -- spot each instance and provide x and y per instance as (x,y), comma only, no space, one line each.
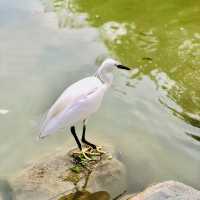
(105,78)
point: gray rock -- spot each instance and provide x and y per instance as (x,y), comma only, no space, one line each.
(110,175)
(43,179)
(40,180)
(170,190)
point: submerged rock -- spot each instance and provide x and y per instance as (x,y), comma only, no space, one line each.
(170,190)
(44,179)
(6,191)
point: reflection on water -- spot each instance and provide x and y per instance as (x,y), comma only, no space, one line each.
(161,38)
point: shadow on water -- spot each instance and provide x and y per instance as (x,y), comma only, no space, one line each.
(6,191)
(161,38)
(195,137)
(183,115)
(85,195)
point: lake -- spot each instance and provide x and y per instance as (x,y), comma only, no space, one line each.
(151,115)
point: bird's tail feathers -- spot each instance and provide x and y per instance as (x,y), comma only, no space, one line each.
(38,124)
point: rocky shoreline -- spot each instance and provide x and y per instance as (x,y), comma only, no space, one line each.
(169,190)
(51,176)
(45,179)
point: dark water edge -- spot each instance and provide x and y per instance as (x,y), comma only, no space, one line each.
(6,191)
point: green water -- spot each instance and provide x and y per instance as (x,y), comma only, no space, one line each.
(161,38)
(151,115)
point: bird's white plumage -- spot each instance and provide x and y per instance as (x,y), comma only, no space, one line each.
(79,100)
(76,103)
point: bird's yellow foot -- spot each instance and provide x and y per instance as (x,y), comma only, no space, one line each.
(88,152)
(99,150)
(85,152)
(96,152)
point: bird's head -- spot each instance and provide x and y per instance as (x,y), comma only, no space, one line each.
(106,69)
(110,65)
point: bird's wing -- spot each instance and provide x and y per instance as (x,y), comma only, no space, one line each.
(72,95)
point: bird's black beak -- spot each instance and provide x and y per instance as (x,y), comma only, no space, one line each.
(123,67)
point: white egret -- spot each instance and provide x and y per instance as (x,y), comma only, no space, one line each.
(79,101)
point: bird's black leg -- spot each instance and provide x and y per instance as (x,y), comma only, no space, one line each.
(75,137)
(83,137)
